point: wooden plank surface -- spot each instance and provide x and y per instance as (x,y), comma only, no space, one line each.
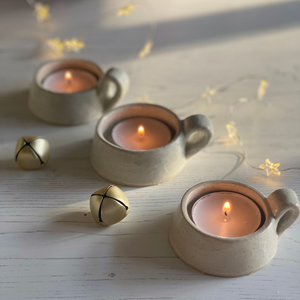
(50,248)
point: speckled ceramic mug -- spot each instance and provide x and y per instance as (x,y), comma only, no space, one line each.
(79,107)
(147,167)
(231,257)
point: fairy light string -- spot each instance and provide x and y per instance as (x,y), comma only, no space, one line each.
(43,15)
(232,131)
(41,12)
(75,44)
(269,167)
(261,91)
(233,136)
(209,94)
(144,99)
(125,10)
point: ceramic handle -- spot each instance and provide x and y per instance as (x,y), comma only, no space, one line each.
(284,205)
(198,131)
(120,79)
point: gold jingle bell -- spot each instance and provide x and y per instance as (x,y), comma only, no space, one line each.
(109,205)
(32,152)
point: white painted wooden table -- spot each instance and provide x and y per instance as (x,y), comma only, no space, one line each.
(50,248)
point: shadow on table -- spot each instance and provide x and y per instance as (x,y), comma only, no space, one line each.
(13,105)
(40,50)
(140,247)
(81,221)
(216,26)
(61,228)
(9,164)
(148,248)
(73,160)
(74,225)
(69,165)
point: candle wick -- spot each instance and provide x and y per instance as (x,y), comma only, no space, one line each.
(68,77)
(225,214)
(141,132)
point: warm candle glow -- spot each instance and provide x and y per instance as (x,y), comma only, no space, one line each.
(226,208)
(226,214)
(68,76)
(70,81)
(141,131)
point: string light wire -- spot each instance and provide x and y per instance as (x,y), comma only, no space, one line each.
(42,13)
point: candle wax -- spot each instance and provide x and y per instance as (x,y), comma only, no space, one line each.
(243,217)
(141,133)
(80,80)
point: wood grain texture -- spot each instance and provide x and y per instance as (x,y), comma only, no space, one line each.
(50,247)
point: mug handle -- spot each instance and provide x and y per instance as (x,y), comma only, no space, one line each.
(200,127)
(284,205)
(121,81)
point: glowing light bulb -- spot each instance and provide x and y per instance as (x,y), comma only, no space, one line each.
(68,76)
(270,167)
(226,208)
(141,131)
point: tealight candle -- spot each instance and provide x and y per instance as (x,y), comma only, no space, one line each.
(69,81)
(141,133)
(226,214)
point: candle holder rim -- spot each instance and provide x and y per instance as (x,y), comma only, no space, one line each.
(263,227)
(109,113)
(66,60)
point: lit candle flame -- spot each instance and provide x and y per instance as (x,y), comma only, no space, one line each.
(68,76)
(226,208)
(141,131)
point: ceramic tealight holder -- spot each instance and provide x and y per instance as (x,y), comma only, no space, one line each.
(232,256)
(65,107)
(147,167)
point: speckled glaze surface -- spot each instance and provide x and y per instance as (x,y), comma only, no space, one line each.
(232,257)
(80,107)
(147,167)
